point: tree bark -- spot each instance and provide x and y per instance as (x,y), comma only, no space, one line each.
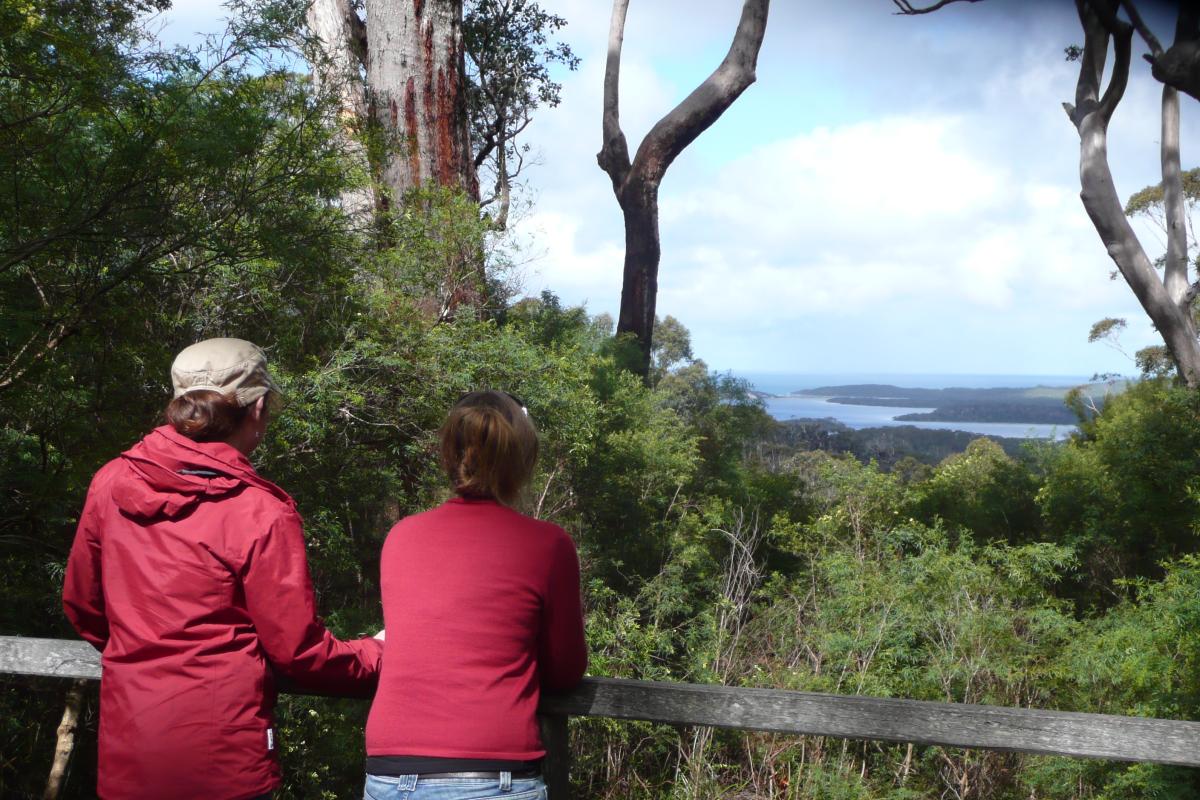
(338,56)
(639,282)
(636,183)
(1167,302)
(66,741)
(415,69)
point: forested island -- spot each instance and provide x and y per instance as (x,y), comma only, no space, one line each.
(1036,405)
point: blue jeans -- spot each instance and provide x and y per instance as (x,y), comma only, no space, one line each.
(410,787)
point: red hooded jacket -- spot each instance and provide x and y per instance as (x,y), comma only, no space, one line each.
(188,573)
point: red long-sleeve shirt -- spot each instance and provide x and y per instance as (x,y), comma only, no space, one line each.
(482,610)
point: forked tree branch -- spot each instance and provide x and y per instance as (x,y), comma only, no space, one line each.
(1164,303)
(708,101)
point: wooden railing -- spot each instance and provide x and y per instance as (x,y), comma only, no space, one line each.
(1020,730)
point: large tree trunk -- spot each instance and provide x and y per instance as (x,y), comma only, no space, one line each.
(639,284)
(636,183)
(338,56)
(415,69)
(1166,301)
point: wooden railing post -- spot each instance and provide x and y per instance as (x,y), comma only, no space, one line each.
(556,766)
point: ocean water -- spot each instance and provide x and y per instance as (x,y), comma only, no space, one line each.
(782,405)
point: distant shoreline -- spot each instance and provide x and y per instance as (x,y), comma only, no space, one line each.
(997,406)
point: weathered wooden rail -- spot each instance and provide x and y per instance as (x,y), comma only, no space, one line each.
(1020,730)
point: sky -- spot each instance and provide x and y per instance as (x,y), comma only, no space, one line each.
(893,195)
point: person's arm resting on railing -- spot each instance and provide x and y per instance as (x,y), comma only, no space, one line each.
(280,601)
(562,656)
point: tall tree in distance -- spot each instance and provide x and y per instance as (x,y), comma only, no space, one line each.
(446,88)
(401,74)
(417,94)
(635,183)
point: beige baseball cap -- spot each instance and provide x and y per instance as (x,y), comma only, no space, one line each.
(225,366)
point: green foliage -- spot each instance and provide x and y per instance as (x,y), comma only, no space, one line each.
(511,50)
(672,346)
(1155,361)
(982,491)
(1109,326)
(1149,200)
(1142,658)
(1125,496)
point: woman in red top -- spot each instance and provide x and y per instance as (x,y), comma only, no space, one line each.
(481,605)
(188,574)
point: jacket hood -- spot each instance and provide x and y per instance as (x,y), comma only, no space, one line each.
(167,475)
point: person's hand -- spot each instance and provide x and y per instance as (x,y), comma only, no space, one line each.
(379,635)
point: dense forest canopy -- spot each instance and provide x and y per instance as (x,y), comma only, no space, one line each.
(157,196)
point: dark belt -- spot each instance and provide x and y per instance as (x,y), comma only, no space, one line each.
(516,776)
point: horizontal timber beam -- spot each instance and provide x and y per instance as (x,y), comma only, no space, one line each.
(1020,730)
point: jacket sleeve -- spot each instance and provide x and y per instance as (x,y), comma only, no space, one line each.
(562,649)
(280,601)
(83,594)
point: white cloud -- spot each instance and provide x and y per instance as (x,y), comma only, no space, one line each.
(582,275)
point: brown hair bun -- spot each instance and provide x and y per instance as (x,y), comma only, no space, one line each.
(489,446)
(204,415)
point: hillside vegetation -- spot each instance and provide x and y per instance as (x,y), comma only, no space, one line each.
(156,202)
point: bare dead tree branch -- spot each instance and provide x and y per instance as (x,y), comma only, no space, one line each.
(908,9)
(1143,30)
(65,746)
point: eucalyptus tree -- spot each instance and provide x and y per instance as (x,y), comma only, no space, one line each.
(636,181)
(1166,300)
(418,94)
(408,87)
(337,49)
(1111,25)
(435,91)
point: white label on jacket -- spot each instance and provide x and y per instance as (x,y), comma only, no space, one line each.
(270,739)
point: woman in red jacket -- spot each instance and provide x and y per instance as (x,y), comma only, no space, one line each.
(188,573)
(481,605)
